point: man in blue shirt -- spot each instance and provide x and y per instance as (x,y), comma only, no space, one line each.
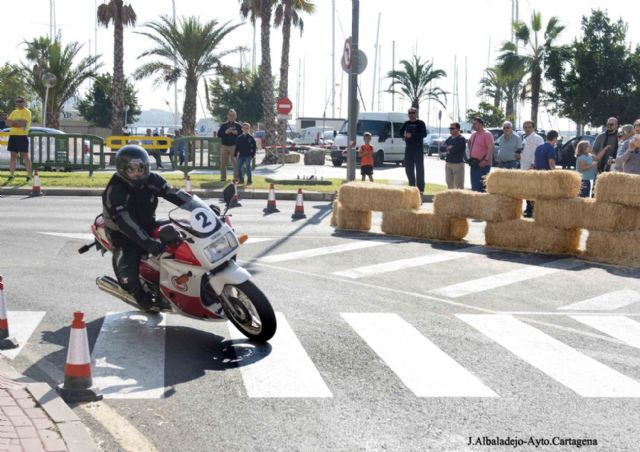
(545,158)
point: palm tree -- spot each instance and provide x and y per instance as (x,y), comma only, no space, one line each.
(46,56)
(537,50)
(504,83)
(415,82)
(121,15)
(493,85)
(263,9)
(193,47)
(287,14)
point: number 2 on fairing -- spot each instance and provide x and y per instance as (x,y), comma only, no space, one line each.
(202,220)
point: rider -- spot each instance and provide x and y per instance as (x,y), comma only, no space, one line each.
(129,204)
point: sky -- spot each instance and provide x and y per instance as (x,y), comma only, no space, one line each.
(469,31)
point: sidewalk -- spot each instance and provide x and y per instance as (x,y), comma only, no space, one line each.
(34,418)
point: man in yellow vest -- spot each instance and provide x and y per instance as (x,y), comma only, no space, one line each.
(20,121)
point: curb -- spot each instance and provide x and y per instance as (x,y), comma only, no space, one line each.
(74,433)
(203,193)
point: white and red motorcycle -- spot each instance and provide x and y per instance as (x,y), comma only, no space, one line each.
(197,275)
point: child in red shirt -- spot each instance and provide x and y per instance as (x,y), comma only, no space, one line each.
(366,158)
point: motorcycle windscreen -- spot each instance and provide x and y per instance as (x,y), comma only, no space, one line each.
(196,218)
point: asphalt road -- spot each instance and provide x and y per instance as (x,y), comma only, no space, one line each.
(383,343)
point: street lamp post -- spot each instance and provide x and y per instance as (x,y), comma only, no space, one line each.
(49,81)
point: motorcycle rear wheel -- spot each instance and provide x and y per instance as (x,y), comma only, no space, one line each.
(249,310)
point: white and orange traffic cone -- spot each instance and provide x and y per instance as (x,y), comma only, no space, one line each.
(6,342)
(77,386)
(35,189)
(235,201)
(271,201)
(188,187)
(299,210)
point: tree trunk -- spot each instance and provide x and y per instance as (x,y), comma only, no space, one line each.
(189,109)
(268,103)
(52,117)
(117,92)
(283,86)
(509,110)
(536,77)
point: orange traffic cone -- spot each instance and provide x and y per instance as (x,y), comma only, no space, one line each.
(299,210)
(235,201)
(187,185)
(6,342)
(35,189)
(271,201)
(77,371)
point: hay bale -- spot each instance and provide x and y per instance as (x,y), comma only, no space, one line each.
(292,157)
(379,197)
(423,224)
(353,220)
(586,213)
(534,185)
(481,206)
(334,212)
(620,188)
(526,235)
(620,248)
(314,157)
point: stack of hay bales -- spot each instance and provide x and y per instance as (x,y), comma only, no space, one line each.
(424,225)
(545,188)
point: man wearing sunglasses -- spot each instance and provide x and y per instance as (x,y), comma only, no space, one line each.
(413,131)
(20,121)
(607,140)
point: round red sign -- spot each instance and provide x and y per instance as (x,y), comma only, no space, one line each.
(284,106)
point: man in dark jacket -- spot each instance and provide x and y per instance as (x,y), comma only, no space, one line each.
(413,131)
(609,140)
(245,152)
(129,205)
(228,134)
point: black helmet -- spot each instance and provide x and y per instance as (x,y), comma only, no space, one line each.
(132,165)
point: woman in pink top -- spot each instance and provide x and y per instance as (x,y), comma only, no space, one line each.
(481,148)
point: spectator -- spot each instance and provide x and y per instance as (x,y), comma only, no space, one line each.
(20,122)
(545,158)
(586,165)
(455,147)
(624,138)
(245,151)
(228,134)
(176,151)
(607,140)
(480,149)
(413,131)
(630,160)
(509,144)
(530,143)
(153,152)
(366,157)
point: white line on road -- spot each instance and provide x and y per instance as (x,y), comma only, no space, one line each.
(402,264)
(71,235)
(314,252)
(578,372)
(505,279)
(129,356)
(607,302)
(22,324)
(280,368)
(423,367)
(622,328)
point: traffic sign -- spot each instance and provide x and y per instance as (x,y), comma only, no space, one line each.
(362,62)
(346,59)
(284,106)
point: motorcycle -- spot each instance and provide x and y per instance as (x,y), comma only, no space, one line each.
(197,275)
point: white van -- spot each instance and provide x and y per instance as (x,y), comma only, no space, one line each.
(313,135)
(388,145)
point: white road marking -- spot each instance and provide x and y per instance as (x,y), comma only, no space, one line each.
(71,235)
(251,240)
(22,324)
(402,264)
(607,302)
(129,356)
(423,367)
(280,368)
(505,279)
(620,327)
(323,251)
(578,372)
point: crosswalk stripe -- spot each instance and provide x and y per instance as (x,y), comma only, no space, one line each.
(578,372)
(129,356)
(620,327)
(402,264)
(281,368)
(423,367)
(505,279)
(323,251)
(607,302)
(71,235)
(22,324)
(251,240)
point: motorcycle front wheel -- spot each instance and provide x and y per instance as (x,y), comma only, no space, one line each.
(249,310)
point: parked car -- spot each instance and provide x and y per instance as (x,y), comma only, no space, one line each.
(566,153)
(36,130)
(433,142)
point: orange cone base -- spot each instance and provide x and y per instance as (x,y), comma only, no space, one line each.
(298,215)
(36,193)
(270,209)
(79,395)
(8,343)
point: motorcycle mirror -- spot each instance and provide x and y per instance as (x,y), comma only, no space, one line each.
(228,193)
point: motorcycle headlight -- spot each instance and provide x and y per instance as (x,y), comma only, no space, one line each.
(221,247)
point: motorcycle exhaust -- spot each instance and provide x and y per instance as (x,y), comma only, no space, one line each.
(112,287)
